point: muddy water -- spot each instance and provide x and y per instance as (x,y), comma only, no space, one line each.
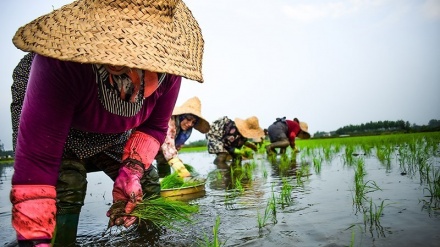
(320,213)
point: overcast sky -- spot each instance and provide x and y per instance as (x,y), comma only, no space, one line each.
(328,63)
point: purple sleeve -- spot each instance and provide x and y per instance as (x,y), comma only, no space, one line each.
(157,123)
(45,121)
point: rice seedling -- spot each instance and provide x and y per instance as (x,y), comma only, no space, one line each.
(328,153)
(433,183)
(317,161)
(163,212)
(173,181)
(215,238)
(384,155)
(262,219)
(303,171)
(361,188)
(272,207)
(285,198)
(348,155)
(269,212)
(372,217)
(264,171)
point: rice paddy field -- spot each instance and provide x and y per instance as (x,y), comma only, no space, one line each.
(351,191)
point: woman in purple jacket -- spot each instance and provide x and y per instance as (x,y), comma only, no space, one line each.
(101,81)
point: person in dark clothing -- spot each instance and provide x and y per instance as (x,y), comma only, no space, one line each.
(283,132)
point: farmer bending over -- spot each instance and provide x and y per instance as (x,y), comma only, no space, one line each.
(184,119)
(227,137)
(104,79)
(282,133)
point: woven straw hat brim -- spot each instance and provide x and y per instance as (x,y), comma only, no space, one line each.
(159,36)
(249,128)
(193,106)
(305,130)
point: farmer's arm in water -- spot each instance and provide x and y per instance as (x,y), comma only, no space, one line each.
(170,150)
(139,152)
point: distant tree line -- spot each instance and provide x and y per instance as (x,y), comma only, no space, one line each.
(380,127)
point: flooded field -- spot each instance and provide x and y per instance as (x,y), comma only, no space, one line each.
(312,198)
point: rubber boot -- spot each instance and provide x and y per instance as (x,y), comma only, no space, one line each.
(283,144)
(71,191)
(150,183)
(66,230)
(163,168)
(220,160)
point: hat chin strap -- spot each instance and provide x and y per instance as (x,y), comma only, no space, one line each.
(116,70)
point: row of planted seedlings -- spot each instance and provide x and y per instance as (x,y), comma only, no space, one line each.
(352,153)
(243,174)
(416,154)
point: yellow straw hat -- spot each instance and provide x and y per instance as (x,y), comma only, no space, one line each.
(158,35)
(304,134)
(193,106)
(249,128)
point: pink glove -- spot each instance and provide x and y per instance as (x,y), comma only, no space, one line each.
(34,213)
(127,191)
(139,153)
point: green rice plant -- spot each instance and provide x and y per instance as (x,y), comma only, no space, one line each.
(302,172)
(285,165)
(372,216)
(269,212)
(262,219)
(272,207)
(383,153)
(215,239)
(239,186)
(317,161)
(433,183)
(328,153)
(163,212)
(348,155)
(173,181)
(367,148)
(264,171)
(361,188)
(285,198)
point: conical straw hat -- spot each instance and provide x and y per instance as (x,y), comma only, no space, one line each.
(305,130)
(249,128)
(193,106)
(160,36)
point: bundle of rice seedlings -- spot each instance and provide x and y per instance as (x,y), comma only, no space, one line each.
(173,181)
(163,212)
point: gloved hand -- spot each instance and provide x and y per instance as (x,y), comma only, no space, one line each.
(179,167)
(127,192)
(33,214)
(139,153)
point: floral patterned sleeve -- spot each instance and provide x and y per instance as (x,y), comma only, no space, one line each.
(215,135)
(168,147)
